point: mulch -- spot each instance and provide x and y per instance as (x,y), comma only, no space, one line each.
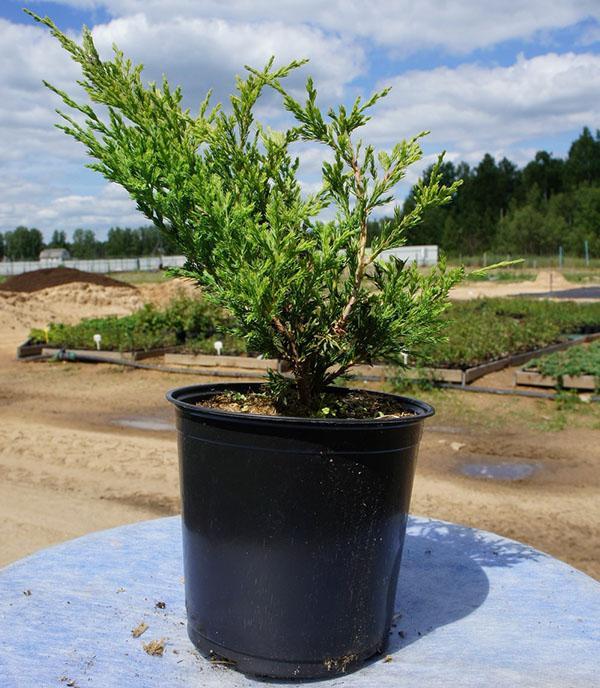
(55,277)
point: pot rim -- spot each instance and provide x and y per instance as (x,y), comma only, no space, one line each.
(180,397)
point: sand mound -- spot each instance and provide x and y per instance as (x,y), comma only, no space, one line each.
(161,293)
(21,311)
(55,277)
(69,303)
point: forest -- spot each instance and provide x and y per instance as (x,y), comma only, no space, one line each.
(550,203)
(25,243)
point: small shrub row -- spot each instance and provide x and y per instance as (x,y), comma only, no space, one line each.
(478,331)
(486,330)
(580,360)
(183,320)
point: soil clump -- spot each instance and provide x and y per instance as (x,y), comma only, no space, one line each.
(56,277)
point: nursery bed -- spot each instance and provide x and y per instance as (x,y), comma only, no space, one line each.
(531,378)
(223,361)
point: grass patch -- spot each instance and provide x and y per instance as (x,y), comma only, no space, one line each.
(582,277)
(140,277)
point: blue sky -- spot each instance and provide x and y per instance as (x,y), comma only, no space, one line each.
(508,80)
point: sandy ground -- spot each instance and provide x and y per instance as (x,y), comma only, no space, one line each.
(69,466)
(545,281)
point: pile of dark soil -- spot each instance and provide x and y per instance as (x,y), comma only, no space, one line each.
(55,277)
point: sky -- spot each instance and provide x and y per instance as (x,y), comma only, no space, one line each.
(506,78)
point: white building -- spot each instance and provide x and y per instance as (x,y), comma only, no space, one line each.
(51,257)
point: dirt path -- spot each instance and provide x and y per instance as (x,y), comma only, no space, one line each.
(68,466)
(545,281)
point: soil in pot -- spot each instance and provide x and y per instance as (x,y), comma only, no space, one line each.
(354,404)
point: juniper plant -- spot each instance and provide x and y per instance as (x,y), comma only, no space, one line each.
(226,188)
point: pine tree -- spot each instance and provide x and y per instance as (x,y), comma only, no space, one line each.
(225,189)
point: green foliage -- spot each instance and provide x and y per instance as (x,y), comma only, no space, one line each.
(579,360)
(59,239)
(541,226)
(124,242)
(488,329)
(85,245)
(583,163)
(183,320)
(225,190)
(23,244)
(232,346)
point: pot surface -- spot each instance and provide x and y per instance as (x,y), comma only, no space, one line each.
(292,532)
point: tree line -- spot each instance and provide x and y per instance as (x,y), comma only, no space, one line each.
(25,243)
(548,204)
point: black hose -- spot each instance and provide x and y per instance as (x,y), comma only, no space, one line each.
(66,355)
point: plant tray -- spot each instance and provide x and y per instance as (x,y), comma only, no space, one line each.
(468,375)
(211,361)
(531,378)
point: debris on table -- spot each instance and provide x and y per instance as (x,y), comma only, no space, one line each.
(138,630)
(155,648)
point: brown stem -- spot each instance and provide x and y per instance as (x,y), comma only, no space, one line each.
(300,369)
(305,394)
(330,377)
(339,326)
(282,329)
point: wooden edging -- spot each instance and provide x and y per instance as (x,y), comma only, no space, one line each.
(518,359)
(373,373)
(106,355)
(464,377)
(27,349)
(378,373)
(535,379)
(211,361)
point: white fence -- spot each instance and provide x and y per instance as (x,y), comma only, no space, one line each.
(422,255)
(100,265)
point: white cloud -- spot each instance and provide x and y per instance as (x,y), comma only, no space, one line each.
(474,108)
(471,109)
(202,53)
(405,26)
(196,53)
(109,207)
(590,35)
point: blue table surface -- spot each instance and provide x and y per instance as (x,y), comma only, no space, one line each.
(473,610)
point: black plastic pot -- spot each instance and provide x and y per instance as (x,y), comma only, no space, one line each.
(292,533)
